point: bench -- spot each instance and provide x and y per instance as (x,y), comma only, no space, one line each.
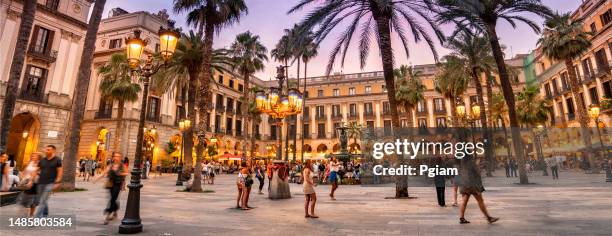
(8,198)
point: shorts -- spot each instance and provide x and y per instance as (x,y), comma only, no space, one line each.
(333,176)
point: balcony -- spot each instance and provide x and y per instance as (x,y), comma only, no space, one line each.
(440,112)
(353,116)
(421,112)
(258,136)
(565,89)
(306,136)
(320,116)
(220,108)
(230,111)
(32,95)
(39,52)
(229,132)
(219,131)
(368,115)
(386,113)
(321,135)
(102,114)
(156,119)
(336,117)
(588,78)
(571,116)
(602,70)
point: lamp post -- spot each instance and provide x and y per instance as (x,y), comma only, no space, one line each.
(135,46)
(540,132)
(279,105)
(184,125)
(467,117)
(594,110)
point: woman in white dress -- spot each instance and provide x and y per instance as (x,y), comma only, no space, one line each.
(309,192)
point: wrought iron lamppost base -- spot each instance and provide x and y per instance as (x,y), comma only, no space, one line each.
(179,175)
(279,184)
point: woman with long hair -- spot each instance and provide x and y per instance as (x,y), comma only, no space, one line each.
(29,179)
(309,192)
(471,185)
(116,173)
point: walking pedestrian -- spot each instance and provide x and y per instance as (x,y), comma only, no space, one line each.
(159,168)
(309,192)
(440,183)
(50,177)
(507,167)
(513,168)
(321,172)
(554,167)
(115,173)
(259,174)
(211,173)
(88,168)
(147,166)
(28,184)
(471,185)
(333,176)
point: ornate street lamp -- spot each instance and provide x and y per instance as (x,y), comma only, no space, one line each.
(184,126)
(279,105)
(135,48)
(594,110)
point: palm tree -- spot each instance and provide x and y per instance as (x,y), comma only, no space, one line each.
(309,50)
(481,16)
(410,90)
(565,40)
(184,71)
(78,106)
(452,81)
(117,85)
(376,18)
(248,55)
(533,111)
(476,53)
(210,16)
(8,107)
(499,109)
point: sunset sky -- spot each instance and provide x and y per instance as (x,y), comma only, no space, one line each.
(268,18)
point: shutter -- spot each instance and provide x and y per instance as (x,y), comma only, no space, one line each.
(42,84)
(49,44)
(34,36)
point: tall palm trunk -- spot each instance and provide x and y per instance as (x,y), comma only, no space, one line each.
(191,115)
(583,119)
(295,116)
(78,104)
(453,107)
(118,132)
(489,87)
(304,118)
(8,108)
(205,97)
(408,109)
(509,97)
(246,116)
(384,33)
(483,120)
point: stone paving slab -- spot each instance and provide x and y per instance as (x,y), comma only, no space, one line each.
(542,209)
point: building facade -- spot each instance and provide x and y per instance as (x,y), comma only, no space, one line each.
(48,75)
(592,69)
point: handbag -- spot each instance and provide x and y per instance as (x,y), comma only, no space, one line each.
(25,184)
(109,184)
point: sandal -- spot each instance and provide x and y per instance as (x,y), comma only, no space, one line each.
(454,204)
(307,216)
(314,216)
(492,219)
(463,221)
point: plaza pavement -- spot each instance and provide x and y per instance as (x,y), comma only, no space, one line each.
(583,206)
